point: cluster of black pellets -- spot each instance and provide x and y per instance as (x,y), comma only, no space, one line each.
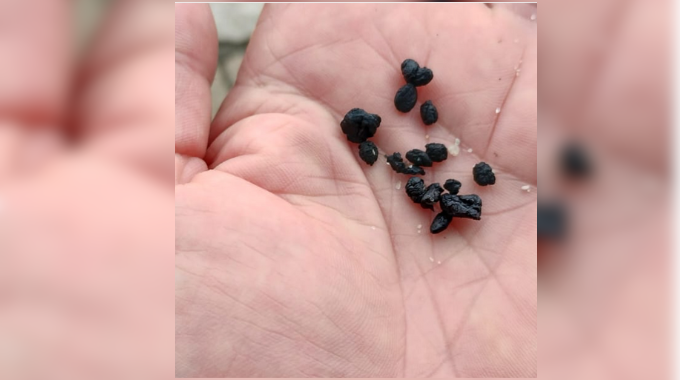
(359,125)
(407,95)
(451,204)
(434,152)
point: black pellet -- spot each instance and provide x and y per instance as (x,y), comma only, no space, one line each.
(462,206)
(428,112)
(436,151)
(423,77)
(552,221)
(418,157)
(414,170)
(359,125)
(406,97)
(431,196)
(396,162)
(368,152)
(452,186)
(574,161)
(415,189)
(440,222)
(409,69)
(483,174)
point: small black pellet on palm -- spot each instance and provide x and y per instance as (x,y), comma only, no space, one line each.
(452,186)
(415,189)
(406,98)
(483,174)
(462,206)
(552,221)
(368,152)
(423,77)
(440,222)
(574,161)
(436,151)
(431,196)
(428,112)
(418,157)
(409,69)
(396,162)
(414,170)
(359,125)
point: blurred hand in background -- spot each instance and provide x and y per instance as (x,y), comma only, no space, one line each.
(85,203)
(293,258)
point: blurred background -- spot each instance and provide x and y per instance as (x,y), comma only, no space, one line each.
(235,24)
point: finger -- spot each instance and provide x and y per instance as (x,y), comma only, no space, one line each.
(35,59)
(124,106)
(195,65)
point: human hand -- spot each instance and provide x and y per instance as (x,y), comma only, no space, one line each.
(293,258)
(84,214)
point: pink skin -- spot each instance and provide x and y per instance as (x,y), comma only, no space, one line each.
(294,258)
(85,222)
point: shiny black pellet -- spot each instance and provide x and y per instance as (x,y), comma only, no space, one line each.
(436,151)
(415,189)
(431,196)
(423,77)
(428,112)
(359,125)
(462,206)
(409,68)
(368,152)
(440,222)
(406,97)
(418,157)
(452,186)
(483,174)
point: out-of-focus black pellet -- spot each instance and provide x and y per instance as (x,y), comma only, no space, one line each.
(396,162)
(462,206)
(436,151)
(359,125)
(552,221)
(428,112)
(440,222)
(418,157)
(414,170)
(574,161)
(431,196)
(409,69)
(368,152)
(415,189)
(406,97)
(452,186)
(483,174)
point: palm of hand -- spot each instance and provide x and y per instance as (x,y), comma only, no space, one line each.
(295,258)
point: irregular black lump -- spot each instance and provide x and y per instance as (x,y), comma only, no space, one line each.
(428,112)
(552,221)
(409,69)
(437,152)
(414,170)
(415,189)
(462,206)
(440,222)
(452,186)
(574,161)
(359,125)
(368,152)
(396,162)
(418,157)
(431,196)
(406,97)
(483,174)
(423,77)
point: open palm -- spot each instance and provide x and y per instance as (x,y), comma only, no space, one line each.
(294,258)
